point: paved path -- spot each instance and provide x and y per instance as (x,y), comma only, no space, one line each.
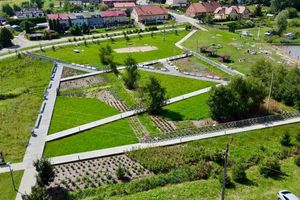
(182,19)
(120,116)
(36,143)
(14,167)
(126,148)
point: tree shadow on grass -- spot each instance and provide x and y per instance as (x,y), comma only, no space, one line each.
(279,177)
(171,115)
(249,182)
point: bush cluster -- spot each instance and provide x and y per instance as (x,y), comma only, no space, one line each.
(270,167)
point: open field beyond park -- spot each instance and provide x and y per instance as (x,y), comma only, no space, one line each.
(22,86)
(6,186)
(244,147)
(90,54)
(234,46)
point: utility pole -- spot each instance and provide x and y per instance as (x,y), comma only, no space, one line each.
(270,92)
(225,172)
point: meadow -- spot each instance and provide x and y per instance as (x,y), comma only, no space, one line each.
(22,86)
(90,54)
(7,191)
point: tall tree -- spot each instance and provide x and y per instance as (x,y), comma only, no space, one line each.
(7,9)
(105,55)
(44,171)
(281,21)
(155,96)
(131,74)
(5,37)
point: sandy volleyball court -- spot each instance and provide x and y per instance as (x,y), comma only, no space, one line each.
(135,49)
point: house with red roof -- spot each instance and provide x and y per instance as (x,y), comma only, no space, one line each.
(110,3)
(111,17)
(63,19)
(231,13)
(124,6)
(202,8)
(149,13)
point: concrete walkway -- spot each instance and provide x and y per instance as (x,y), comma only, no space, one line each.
(14,167)
(126,148)
(183,19)
(120,116)
(36,143)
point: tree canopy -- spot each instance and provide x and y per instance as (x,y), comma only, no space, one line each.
(131,74)
(5,37)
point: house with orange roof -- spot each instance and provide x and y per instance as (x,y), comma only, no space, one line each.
(149,13)
(202,8)
(231,13)
(124,6)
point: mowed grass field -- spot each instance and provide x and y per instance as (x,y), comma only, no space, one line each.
(233,45)
(110,135)
(6,186)
(174,85)
(26,80)
(70,112)
(194,108)
(90,54)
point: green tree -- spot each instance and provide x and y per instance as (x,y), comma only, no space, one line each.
(75,30)
(16,7)
(258,11)
(270,167)
(113,68)
(298,137)
(85,29)
(5,37)
(131,75)
(44,170)
(297,160)
(105,55)
(281,21)
(286,139)
(8,10)
(239,173)
(155,96)
(27,27)
(121,173)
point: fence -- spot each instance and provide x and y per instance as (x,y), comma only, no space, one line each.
(223,126)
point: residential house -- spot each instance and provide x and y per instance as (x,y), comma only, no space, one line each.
(78,19)
(124,6)
(177,3)
(80,2)
(95,20)
(224,13)
(30,13)
(149,13)
(110,3)
(244,12)
(112,17)
(202,8)
(2,20)
(63,19)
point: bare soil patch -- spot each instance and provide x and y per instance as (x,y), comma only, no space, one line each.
(83,82)
(135,49)
(70,72)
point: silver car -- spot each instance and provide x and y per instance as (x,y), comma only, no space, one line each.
(286,195)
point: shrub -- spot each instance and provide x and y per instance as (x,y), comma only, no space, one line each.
(298,137)
(286,139)
(239,173)
(203,170)
(297,161)
(284,154)
(270,167)
(121,173)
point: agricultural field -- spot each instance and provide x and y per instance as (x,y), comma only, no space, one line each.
(174,176)
(90,54)
(6,186)
(22,87)
(233,45)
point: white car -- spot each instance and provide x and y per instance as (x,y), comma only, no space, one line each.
(286,195)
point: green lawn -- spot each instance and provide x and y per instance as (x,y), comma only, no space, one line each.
(194,108)
(175,86)
(232,44)
(110,135)
(6,186)
(90,54)
(26,80)
(262,188)
(70,112)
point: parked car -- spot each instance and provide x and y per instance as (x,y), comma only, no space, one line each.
(286,195)
(247,34)
(270,33)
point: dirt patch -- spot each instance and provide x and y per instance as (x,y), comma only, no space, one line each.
(135,49)
(83,82)
(70,72)
(94,173)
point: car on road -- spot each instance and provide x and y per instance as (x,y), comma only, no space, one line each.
(286,195)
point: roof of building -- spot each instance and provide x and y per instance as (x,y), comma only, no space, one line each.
(58,16)
(206,7)
(150,10)
(124,5)
(225,10)
(113,13)
(239,9)
(116,1)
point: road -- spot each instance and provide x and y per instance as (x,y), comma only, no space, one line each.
(184,19)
